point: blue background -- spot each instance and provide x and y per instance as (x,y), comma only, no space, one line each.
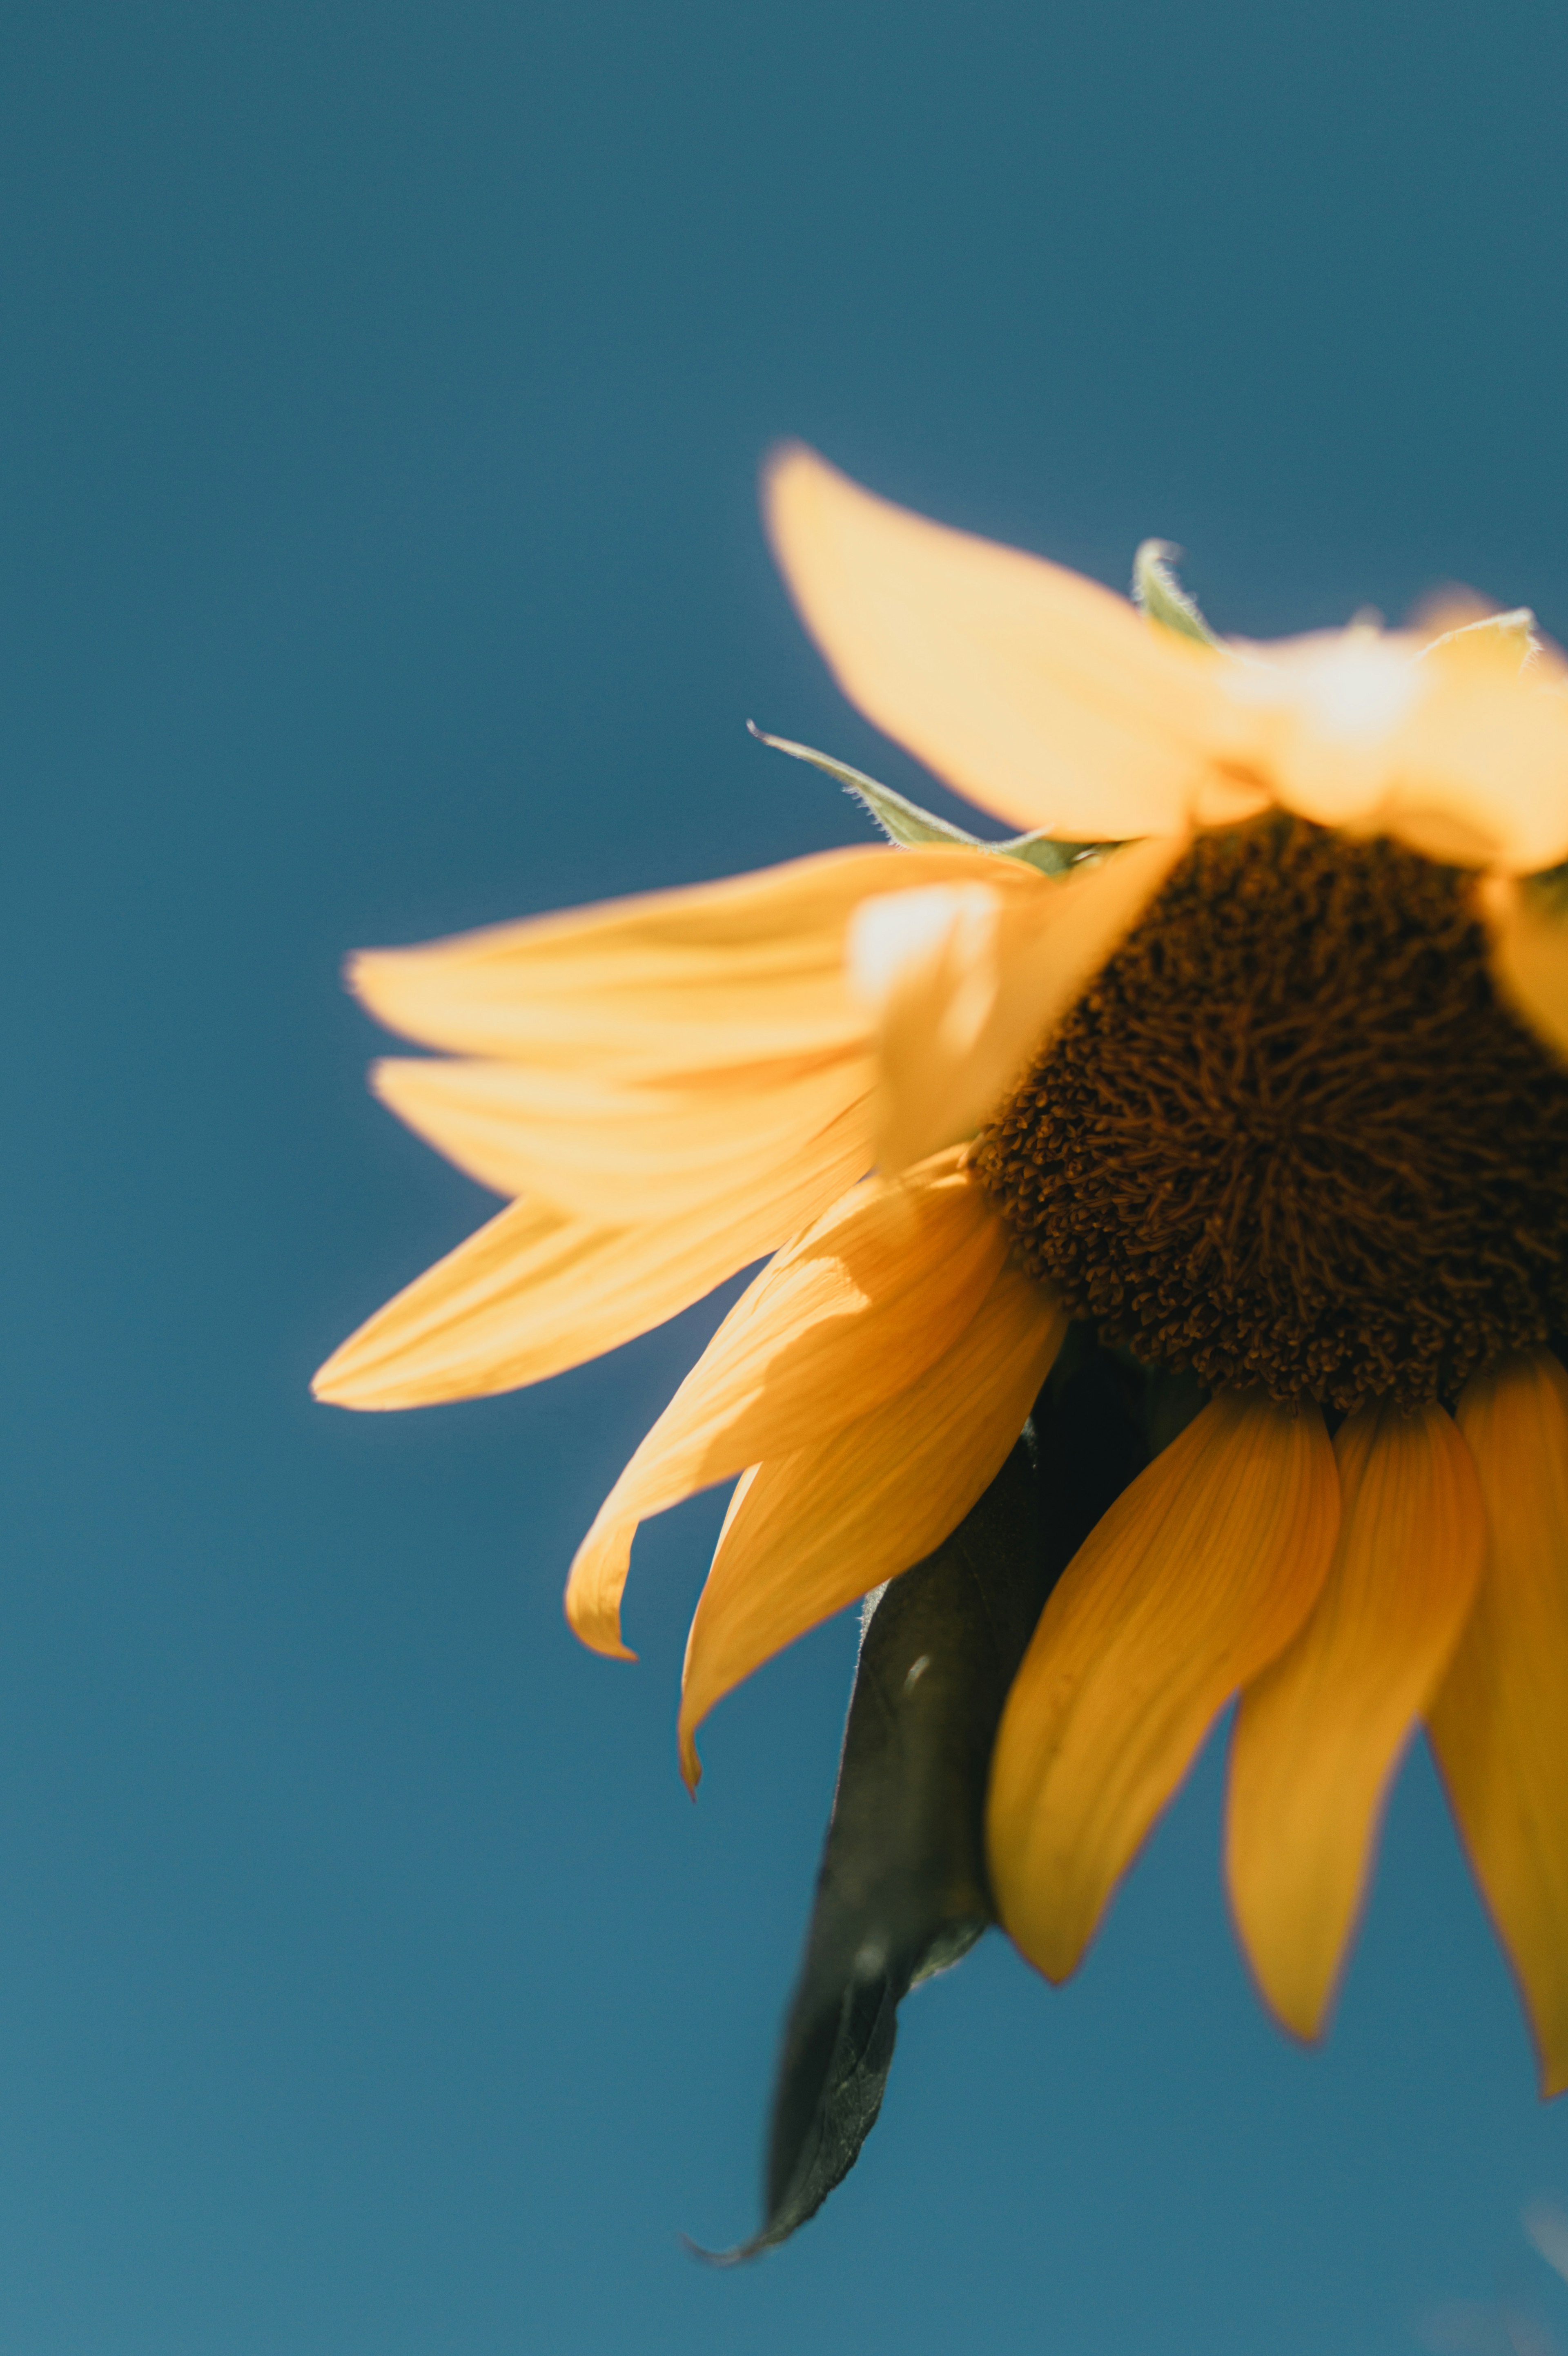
(384,386)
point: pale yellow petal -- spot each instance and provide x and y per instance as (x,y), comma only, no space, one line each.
(665,983)
(536,1291)
(621,1152)
(1499,1724)
(1529,933)
(1449,748)
(1036,692)
(835,1327)
(1199,1573)
(967,985)
(817,1528)
(1487,756)
(1320,1733)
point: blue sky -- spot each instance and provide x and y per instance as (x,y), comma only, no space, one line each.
(384,387)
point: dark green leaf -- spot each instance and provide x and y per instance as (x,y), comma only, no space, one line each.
(903,1892)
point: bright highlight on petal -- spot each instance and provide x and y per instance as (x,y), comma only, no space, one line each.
(1320,1733)
(1197,1577)
(1499,1724)
(965,983)
(1449,748)
(1037,693)
(535,1291)
(810,1532)
(835,1325)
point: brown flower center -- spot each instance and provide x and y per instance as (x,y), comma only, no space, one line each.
(1291,1138)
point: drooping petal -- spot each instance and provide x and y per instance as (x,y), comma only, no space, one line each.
(810,1532)
(717,976)
(618,1150)
(535,1291)
(835,1325)
(1499,1724)
(1038,694)
(966,984)
(1200,1573)
(1320,1733)
(1530,956)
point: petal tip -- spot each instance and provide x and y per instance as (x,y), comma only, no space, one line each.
(600,1633)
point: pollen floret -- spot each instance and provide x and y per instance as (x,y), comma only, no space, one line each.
(1290,1138)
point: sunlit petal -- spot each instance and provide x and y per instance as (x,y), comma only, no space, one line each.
(835,1327)
(1036,692)
(536,1291)
(1320,1732)
(817,1529)
(1199,1574)
(1499,1724)
(663,984)
(1449,747)
(966,983)
(618,1150)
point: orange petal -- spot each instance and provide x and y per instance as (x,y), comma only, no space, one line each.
(1322,1731)
(614,1151)
(835,1325)
(667,983)
(966,984)
(1038,694)
(1530,956)
(815,1530)
(536,1291)
(1499,1724)
(1199,1573)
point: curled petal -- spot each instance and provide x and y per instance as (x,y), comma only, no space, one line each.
(1038,694)
(536,1291)
(966,983)
(1499,1724)
(1322,1731)
(1197,1576)
(835,1325)
(808,1533)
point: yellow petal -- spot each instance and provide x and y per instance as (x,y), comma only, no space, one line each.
(1499,1724)
(1320,1733)
(967,983)
(716,976)
(1451,748)
(815,1530)
(618,1150)
(536,1291)
(1530,956)
(837,1324)
(1199,1573)
(1038,694)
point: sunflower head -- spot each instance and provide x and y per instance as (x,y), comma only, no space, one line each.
(1291,1136)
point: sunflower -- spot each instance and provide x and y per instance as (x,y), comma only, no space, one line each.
(1243,1056)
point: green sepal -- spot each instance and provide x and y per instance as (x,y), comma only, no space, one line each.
(1160,597)
(914,829)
